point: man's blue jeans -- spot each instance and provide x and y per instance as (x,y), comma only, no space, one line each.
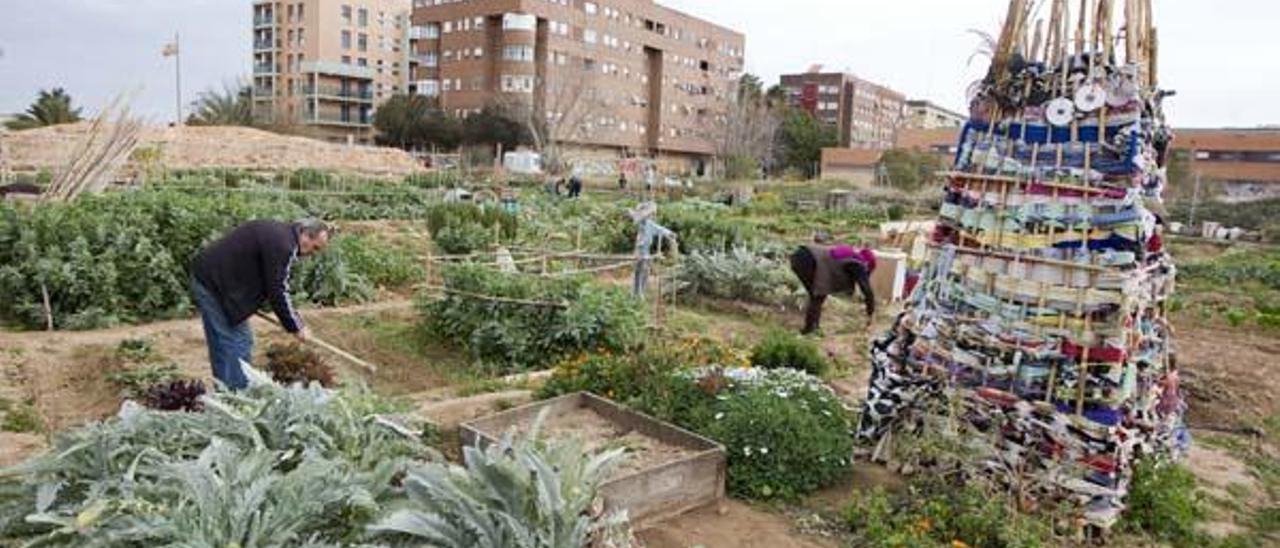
(228,344)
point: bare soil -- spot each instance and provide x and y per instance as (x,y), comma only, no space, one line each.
(1231,376)
(597,434)
(732,524)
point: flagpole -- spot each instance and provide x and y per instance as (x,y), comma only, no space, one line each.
(177,69)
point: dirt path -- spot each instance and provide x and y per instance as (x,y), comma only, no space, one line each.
(732,524)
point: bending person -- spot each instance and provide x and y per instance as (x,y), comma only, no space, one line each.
(827,270)
(235,275)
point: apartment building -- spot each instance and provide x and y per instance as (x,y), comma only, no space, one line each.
(865,114)
(613,78)
(921,114)
(321,67)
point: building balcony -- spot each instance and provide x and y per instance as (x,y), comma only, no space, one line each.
(267,20)
(425,59)
(263,93)
(264,69)
(263,45)
(338,120)
(424,32)
(338,93)
(338,69)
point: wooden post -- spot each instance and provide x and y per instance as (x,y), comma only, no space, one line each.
(48,308)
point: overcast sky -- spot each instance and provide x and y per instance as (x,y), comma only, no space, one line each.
(1221,56)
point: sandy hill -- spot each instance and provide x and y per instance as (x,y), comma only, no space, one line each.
(209,147)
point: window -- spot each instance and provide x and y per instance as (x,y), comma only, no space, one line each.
(518,53)
(589,7)
(346,39)
(302,37)
(448,27)
(589,36)
(519,21)
(479,24)
(301,15)
(346,14)
(346,59)
(362,17)
(517,83)
(290,13)
(478,53)
(363,42)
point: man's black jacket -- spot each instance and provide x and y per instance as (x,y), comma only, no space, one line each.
(249,265)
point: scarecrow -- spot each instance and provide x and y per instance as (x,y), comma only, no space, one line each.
(648,233)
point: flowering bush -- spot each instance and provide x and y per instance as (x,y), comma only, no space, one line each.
(785,432)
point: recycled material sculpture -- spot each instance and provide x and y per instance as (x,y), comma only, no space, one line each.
(1039,329)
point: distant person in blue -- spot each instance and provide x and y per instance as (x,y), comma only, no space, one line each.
(648,232)
(575,186)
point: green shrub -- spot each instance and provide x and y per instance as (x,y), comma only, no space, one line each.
(781,349)
(135,350)
(737,168)
(381,264)
(459,229)
(1164,503)
(643,379)
(786,434)
(134,381)
(1236,268)
(21,418)
(434,179)
(936,512)
(738,275)
(119,257)
(505,334)
(1235,317)
(1269,321)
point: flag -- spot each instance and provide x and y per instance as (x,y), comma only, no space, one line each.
(170,49)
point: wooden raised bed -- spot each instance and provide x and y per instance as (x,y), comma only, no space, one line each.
(667,472)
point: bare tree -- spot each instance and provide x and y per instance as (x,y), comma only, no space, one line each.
(745,130)
(566,111)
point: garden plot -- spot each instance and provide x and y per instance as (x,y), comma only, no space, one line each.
(667,470)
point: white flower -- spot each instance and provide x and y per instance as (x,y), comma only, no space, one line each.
(746,450)
(764,450)
(719,416)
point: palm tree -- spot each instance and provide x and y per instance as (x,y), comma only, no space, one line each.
(51,108)
(232,106)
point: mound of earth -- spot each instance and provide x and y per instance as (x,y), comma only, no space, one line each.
(193,147)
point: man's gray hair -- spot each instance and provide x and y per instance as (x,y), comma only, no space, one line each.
(313,228)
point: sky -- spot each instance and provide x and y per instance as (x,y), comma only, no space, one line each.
(1222,57)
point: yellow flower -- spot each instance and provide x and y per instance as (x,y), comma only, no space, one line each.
(959,544)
